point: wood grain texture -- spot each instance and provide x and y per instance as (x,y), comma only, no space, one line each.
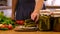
(14,32)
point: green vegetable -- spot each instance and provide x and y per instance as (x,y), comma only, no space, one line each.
(6,20)
(29,23)
(4,29)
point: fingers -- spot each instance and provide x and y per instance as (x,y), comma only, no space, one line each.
(33,16)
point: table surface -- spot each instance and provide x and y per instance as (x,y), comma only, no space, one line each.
(14,32)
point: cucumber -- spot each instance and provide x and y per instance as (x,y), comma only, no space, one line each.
(4,29)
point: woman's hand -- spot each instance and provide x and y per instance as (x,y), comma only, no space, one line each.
(35,16)
(38,7)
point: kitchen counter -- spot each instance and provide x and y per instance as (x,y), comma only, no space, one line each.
(14,32)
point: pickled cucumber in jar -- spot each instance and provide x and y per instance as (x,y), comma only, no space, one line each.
(44,22)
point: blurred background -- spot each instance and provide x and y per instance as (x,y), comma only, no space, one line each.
(6,6)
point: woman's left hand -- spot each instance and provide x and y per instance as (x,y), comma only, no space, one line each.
(35,16)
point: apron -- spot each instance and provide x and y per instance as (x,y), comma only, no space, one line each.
(24,9)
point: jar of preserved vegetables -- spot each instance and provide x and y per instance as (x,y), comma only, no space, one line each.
(56,25)
(44,22)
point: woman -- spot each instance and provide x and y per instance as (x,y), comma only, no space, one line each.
(27,9)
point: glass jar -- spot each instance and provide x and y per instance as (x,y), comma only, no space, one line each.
(44,23)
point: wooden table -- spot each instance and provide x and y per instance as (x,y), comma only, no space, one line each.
(14,32)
